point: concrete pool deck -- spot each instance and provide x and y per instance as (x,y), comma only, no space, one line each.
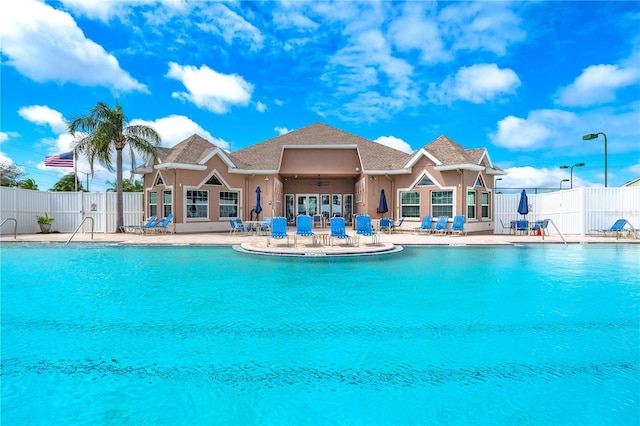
(258,243)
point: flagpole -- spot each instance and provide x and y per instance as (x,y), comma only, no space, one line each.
(75,171)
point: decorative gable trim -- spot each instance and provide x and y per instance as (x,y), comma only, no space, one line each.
(418,155)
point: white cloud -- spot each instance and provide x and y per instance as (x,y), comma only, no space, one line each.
(260,107)
(415,31)
(4,136)
(530,177)
(176,128)
(488,26)
(222,21)
(395,143)
(542,128)
(209,89)
(92,9)
(597,85)
(281,130)
(478,84)
(41,115)
(46,44)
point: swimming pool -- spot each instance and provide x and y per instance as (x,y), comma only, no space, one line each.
(206,335)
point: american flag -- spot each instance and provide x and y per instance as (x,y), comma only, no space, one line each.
(60,160)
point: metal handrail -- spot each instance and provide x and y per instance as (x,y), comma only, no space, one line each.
(559,233)
(15,225)
(79,226)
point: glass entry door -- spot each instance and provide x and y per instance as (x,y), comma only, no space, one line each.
(307,204)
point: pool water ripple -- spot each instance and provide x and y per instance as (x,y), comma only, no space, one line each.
(428,336)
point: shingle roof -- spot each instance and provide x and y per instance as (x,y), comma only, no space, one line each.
(189,151)
(266,155)
(450,152)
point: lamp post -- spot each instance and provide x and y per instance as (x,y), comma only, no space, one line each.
(571,167)
(563,180)
(495,185)
(590,136)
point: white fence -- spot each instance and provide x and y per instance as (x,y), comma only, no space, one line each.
(576,211)
(67,208)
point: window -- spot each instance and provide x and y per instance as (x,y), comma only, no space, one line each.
(485,205)
(159,181)
(471,205)
(336,205)
(197,204)
(228,204)
(153,203)
(479,181)
(442,203)
(425,181)
(214,180)
(409,204)
(167,207)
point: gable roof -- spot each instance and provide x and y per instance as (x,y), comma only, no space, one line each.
(267,154)
(375,157)
(189,151)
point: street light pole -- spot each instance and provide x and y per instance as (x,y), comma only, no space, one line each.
(590,136)
(571,167)
(563,180)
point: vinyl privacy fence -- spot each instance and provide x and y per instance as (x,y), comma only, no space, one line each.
(67,208)
(577,211)
(574,211)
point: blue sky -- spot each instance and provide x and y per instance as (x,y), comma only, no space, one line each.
(525,79)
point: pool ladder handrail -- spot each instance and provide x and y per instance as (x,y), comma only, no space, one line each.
(557,230)
(78,228)
(15,225)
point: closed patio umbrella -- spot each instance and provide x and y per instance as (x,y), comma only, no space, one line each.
(382,206)
(258,208)
(523,206)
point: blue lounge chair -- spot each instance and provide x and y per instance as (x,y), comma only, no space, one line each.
(303,229)
(161,225)
(139,228)
(426,224)
(457,227)
(338,230)
(441,225)
(617,227)
(278,229)
(364,228)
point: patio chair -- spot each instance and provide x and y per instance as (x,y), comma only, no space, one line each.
(541,227)
(160,226)
(397,226)
(338,230)
(240,224)
(364,228)
(457,227)
(265,226)
(278,230)
(303,229)
(386,224)
(235,227)
(426,224)
(522,226)
(139,228)
(441,225)
(317,221)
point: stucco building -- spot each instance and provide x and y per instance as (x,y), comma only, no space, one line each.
(318,170)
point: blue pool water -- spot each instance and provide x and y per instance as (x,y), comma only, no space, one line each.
(205,335)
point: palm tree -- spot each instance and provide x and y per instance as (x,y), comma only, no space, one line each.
(28,184)
(105,130)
